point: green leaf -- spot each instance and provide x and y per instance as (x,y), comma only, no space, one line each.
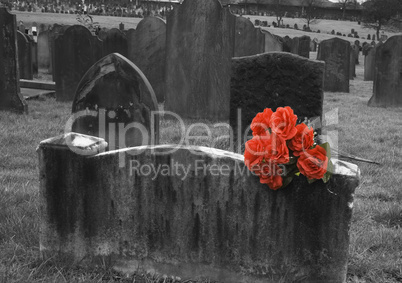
(310,181)
(328,174)
(286,181)
(327,148)
(297,174)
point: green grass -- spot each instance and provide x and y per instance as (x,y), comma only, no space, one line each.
(371,133)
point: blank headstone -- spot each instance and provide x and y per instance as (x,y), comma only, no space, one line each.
(336,54)
(54,32)
(301,46)
(147,49)
(76,50)
(117,87)
(287,44)
(24,56)
(388,74)
(10,96)
(271,42)
(352,64)
(369,61)
(115,42)
(248,40)
(200,45)
(44,56)
(272,80)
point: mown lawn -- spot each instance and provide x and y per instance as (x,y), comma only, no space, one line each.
(371,133)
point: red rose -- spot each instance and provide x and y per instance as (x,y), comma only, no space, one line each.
(283,123)
(303,140)
(313,163)
(278,150)
(260,123)
(270,174)
(254,152)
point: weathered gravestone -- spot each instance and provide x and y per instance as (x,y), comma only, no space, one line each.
(248,39)
(287,44)
(24,56)
(200,45)
(115,42)
(272,80)
(102,34)
(301,46)
(117,93)
(76,50)
(336,54)
(219,222)
(388,74)
(10,96)
(44,56)
(34,52)
(352,64)
(147,49)
(55,31)
(272,43)
(369,61)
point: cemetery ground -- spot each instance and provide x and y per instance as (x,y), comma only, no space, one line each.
(376,231)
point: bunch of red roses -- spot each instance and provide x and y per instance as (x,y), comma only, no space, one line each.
(280,149)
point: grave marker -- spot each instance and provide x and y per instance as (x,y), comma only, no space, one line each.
(147,49)
(388,74)
(44,57)
(76,50)
(271,42)
(248,39)
(336,54)
(301,46)
(272,80)
(225,226)
(369,61)
(199,49)
(10,96)
(117,87)
(115,42)
(24,56)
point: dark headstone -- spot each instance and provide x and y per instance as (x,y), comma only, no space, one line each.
(369,37)
(147,50)
(388,74)
(257,22)
(287,44)
(44,57)
(102,34)
(369,60)
(115,42)
(54,32)
(24,56)
(301,46)
(336,54)
(352,64)
(248,40)
(76,50)
(272,80)
(118,93)
(373,37)
(121,26)
(10,96)
(199,52)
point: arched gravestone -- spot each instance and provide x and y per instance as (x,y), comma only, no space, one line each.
(54,32)
(272,42)
(44,50)
(388,73)
(336,54)
(200,45)
(287,44)
(117,93)
(271,80)
(10,96)
(76,50)
(102,34)
(115,42)
(301,46)
(24,56)
(147,49)
(248,39)
(352,64)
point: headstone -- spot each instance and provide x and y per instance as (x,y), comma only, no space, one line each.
(54,31)
(198,60)
(352,64)
(388,74)
(336,54)
(356,50)
(271,42)
(44,56)
(76,50)
(121,26)
(274,80)
(10,96)
(287,44)
(21,27)
(117,89)
(369,60)
(147,49)
(102,34)
(115,42)
(373,37)
(248,40)
(301,46)
(34,52)
(257,22)
(369,37)
(223,224)
(24,56)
